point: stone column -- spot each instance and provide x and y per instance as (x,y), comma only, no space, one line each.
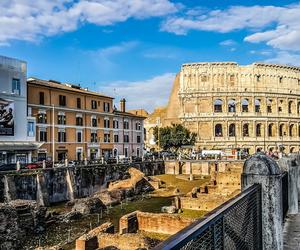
(263,170)
(289,164)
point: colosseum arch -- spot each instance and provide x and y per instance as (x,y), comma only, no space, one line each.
(231,130)
(246,129)
(282,129)
(292,149)
(257,105)
(270,105)
(258,130)
(218,104)
(298,107)
(271,130)
(292,130)
(245,105)
(218,130)
(231,105)
(291,108)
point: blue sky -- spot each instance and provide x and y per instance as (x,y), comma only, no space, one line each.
(133,48)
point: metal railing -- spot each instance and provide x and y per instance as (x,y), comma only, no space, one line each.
(235,224)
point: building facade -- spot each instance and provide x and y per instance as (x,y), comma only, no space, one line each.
(74,123)
(253,107)
(17,128)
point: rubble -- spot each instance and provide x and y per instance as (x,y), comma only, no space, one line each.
(88,205)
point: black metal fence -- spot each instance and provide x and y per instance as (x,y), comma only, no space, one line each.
(285,194)
(234,225)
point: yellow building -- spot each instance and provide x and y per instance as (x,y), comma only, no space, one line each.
(230,106)
(75,123)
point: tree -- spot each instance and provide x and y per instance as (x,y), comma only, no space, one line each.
(173,137)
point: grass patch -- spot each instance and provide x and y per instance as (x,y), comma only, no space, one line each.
(156,236)
(192,214)
(183,185)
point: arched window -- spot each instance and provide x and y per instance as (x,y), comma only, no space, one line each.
(271,131)
(231,106)
(282,130)
(269,105)
(292,130)
(292,150)
(246,129)
(218,103)
(218,130)
(258,130)
(245,105)
(257,105)
(231,131)
(298,130)
(290,107)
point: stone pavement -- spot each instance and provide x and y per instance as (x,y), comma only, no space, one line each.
(291,232)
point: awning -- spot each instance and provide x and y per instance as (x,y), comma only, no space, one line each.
(13,146)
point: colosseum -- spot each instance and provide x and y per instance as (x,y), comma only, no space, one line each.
(230,106)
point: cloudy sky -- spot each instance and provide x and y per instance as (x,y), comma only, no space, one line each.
(133,48)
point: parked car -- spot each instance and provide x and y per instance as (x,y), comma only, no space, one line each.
(33,166)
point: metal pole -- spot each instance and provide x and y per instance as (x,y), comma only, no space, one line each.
(53,136)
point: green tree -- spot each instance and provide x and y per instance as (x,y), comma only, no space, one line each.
(174,137)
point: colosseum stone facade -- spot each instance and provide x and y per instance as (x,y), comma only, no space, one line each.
(231,106)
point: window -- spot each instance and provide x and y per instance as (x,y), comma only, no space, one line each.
(218,130)
(16,86)
(78,103)
(290,107)
(138,139)
(258,78)
(115,124)
(257,105)
(246,130)
(218,105)
(106,123)
(292,130)
(94,121)
(42,118)
(61,136)
(137,152)
(126,138)
(126,124)
(280,79)
(245,105)
(231,79)
(138,126)
(116,138)
(43,135)
(61,119)
(271,130)
(106,137)
(106,106)
(94,137)
(42,98)
(298,107)
(94,104)
(79,136)
(281,130)
(258,130)
(30,129)
(79,121)
(231,130)
(231,106)
(62,100)
(269,105)
(203,78)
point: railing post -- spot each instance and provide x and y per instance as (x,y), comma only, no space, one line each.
(263,170)
(289,164)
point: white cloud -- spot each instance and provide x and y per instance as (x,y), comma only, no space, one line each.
(285,57)
(30,19)
(146,94)
(228,42)
(278,27)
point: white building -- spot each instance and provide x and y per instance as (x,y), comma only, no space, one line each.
(17,128)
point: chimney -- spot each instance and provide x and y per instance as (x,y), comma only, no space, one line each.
(123,105)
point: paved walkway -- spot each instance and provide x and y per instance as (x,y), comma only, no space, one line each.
(291,232)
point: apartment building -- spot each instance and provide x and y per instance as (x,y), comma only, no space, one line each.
(17,128)
(75,123)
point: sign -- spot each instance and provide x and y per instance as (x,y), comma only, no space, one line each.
(6,117)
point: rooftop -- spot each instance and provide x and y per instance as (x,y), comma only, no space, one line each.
(64,86)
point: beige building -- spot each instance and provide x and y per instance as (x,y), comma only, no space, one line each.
(230,106)
(75,123)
